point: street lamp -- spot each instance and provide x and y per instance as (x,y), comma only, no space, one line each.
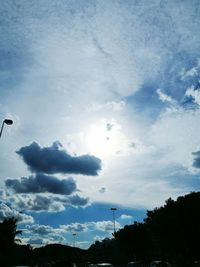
(6,121)
(113,210)
(74,235)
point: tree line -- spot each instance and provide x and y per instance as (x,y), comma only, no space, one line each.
(170,233)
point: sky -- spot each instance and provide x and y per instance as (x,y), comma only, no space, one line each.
(105,101)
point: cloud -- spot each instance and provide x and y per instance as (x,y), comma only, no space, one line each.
(109,126)
(54,159)
(126,217)
(106,225)
(102,226)
(54,46)
(37,240)
(45,202)
(163,97)
(73,200)
(38,234)
(37,203)
(191,72)
(44,229)
(75,227)
(7,212)
(102,190)
(78,201)
(194,93)
(196,162)
(41,183)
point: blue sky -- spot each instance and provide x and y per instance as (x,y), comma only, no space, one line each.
(105,100)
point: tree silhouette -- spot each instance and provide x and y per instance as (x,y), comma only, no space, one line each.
(8,233)
(170,233)
(175,226)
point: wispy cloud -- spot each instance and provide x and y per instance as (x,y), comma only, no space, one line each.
(163,97)
(87,60)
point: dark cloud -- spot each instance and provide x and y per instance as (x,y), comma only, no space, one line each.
(196,162)
(102,190)
(55,159)
(44,203)
(75,227)
(41,229)
(41,183)
(78,201)
(74,200)
(109,126)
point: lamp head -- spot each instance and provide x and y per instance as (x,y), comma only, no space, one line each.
(8,122)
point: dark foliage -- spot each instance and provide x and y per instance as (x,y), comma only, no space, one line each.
(8,233)
(170,233)
(57,255)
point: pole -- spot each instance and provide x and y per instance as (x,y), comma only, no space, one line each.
(1,129)
(113,210)
(74,235)
(6,121)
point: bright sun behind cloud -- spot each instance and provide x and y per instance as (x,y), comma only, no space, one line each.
(104,139)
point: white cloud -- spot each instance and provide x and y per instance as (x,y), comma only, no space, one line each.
(164,98)
(192,72)
(7,212)
(105,226)
(195,94)
(175,136)
(126,217)
(108,107)
(45,202)
(147,178)
(37,203)
(44,229)
(75,227)
(82,67)
(102,226)
(38,235)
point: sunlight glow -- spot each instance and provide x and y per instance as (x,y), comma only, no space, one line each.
(103,139)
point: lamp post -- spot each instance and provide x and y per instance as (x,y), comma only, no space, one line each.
(113,210)
(6,121)
(74,235)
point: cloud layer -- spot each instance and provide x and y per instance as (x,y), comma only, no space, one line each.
(46,202)
(42,192)
(54,159)
(42,234)
(41,183)
(7,212)
(83,60)
(196,162)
